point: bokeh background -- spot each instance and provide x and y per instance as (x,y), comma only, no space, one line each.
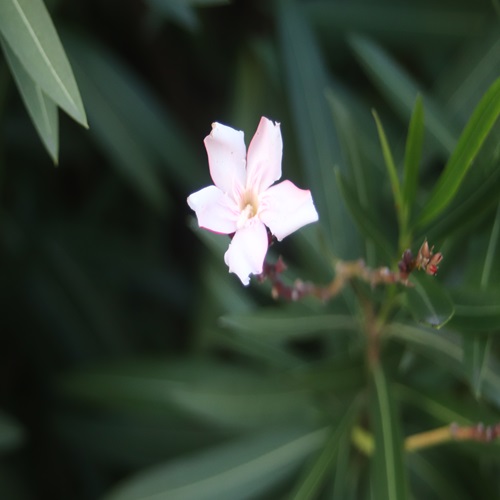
(114,357)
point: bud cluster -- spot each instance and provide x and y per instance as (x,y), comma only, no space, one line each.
(425,260)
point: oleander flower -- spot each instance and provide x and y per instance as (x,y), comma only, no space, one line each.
(243,199)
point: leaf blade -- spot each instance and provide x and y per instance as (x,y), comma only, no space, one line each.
(42,110)
(389,478)
(28,30)
(413,154)
(468,146)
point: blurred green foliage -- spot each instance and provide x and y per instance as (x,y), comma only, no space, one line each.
(133,365)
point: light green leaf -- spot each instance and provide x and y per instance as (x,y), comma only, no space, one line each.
(42,110)
(413,154)
(469,144)
(429,302)
(28,29)
(251,465)
(400,90)
(391,170)
(388,469)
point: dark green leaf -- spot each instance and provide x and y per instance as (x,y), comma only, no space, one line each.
(104,87)
(469,144)
(429,302)
(388,469)
(445,348)
(476,357)
(284,325)
(364,219)
(251,465)
(348,134)
(219,394)
(27,28)
(311,482)
(400,90)
(306,81)
(476,310)
(11,433)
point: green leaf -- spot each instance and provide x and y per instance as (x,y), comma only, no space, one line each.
(285,325)
(466,77)
(246,468)
(388,469)
(42,110)
(429,302)
(221,395)
(11,433)
(413,154)
(306,80)
(476,357)
(348,134)
(311,482)
(116,118)
(364,219)
(391,170)
(469,144)
(27,28)
(400,90)
(434,480)
(445,348)
(476,310)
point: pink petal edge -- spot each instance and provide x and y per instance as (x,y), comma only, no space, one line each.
(264,156)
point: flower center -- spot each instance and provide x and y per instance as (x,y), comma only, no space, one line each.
(249,208)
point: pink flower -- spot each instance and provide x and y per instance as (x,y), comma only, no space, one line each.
(243,200)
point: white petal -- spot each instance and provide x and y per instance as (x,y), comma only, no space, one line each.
(247,251)
(284,208)
(264,156)
(226,158)
(215,210)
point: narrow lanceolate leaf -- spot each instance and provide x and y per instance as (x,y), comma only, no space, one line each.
(446,349)
(429,302)
(309,485)
(113,128)
(476,310)
(413,154)
(244,468)
(364,219)
(28,29)
(390,165)
(388,471)
(306,81)
(476,356)
(469,144)
(11,433)
(42,109)
(400,90)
